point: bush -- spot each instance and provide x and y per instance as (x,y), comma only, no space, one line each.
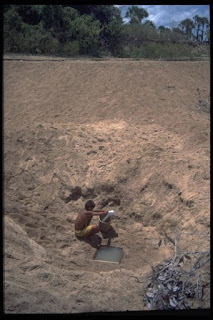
(49,45)
(166,51)
(136,34)
(71,48)
(38,41)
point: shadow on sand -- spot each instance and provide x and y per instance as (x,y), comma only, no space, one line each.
(109,234)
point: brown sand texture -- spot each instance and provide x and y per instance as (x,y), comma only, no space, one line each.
(133,136)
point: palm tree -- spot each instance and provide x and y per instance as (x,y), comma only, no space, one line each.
(136,14)
(197,23)
(207,32)
(186,26)
(165,33)
(161,29)
(204,23)
(149,23)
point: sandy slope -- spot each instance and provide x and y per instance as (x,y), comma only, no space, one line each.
(131,135)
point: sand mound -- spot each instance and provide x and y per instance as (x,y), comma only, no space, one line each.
(18,245)
(131,135)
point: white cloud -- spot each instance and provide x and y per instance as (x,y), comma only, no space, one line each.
(166,14)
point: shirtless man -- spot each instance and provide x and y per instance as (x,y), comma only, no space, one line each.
(83,228)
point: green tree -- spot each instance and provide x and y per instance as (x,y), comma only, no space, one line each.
(186,26)
(165,33)
(38,40)
(204,25)
(48,16)
(136,34)
(106,14)
(82,9)
(111,37)
(86,31)
(7,7)
(66,31)
(197,23)
(136,14)
(30,14)
(176,34)
(13,31)
(52,17)
(149,23)
(110,21)
(161,29)
(207,32)
(71,49)
(69,14)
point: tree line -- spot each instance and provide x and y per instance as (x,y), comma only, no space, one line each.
(92,30)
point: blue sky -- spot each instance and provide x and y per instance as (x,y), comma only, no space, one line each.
(167,14)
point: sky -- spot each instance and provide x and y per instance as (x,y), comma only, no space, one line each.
(166,15)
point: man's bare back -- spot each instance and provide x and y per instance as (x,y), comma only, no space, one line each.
(83,219)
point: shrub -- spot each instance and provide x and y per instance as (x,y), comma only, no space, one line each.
(71,48)
(38,41)
(166,51)
(135,34)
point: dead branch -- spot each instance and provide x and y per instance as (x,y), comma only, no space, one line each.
(171,285)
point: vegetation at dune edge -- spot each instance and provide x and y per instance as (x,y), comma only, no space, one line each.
(99,31)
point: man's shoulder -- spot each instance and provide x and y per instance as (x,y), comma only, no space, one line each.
(82,211)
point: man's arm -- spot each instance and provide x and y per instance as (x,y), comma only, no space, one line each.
(99,212)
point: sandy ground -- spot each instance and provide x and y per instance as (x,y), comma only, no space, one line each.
(131,135)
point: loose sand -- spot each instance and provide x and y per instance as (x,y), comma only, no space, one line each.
(131,135)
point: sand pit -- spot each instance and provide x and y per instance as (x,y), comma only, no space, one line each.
(133,136)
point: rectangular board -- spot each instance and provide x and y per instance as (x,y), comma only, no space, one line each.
(108,254)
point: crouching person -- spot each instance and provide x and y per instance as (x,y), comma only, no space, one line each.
(83,228)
